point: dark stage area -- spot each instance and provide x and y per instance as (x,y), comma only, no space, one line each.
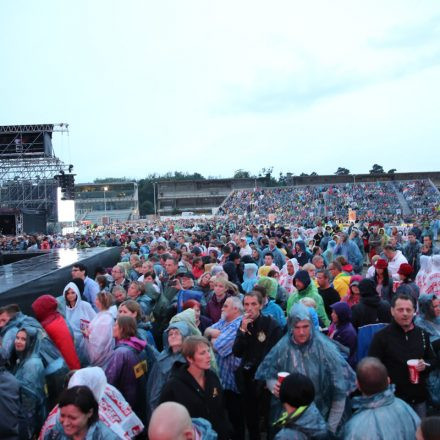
(23,281)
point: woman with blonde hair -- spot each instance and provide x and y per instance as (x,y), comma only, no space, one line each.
(99,333)
(221,293)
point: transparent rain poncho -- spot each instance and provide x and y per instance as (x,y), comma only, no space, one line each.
(319,359)
(382,414)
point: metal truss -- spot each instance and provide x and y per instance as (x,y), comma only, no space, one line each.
(28,182)
(34,128)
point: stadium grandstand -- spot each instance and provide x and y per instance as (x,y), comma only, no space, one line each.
(197,196)
(305,196)
(106,202)
(402,198)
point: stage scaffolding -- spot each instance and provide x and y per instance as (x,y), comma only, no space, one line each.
(28,166)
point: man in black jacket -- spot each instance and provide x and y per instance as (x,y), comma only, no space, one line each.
(399,342)
(371,309)
(255,338)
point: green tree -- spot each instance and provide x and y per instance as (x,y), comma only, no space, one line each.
(241,174)
(392,171)
(342,171)
(377,169)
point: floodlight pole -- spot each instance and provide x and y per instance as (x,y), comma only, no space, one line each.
(105,200)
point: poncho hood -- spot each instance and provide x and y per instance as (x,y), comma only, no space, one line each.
(383,398)
(92,377)
(45,309)
(298,312)
(304,277)
(301,244)
(134,342)
(425,263)
(270,284)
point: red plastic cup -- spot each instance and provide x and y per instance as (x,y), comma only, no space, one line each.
(281,376)
(412,369)
(396,284)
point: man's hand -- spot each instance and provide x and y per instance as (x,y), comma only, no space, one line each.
(421,366)
(212,332)
(245,322)
(276,390)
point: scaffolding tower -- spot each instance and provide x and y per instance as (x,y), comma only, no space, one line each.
(28,166)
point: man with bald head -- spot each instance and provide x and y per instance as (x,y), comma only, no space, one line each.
(378,413)
(171,421)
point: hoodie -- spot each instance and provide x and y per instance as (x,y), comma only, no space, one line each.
(302,256)
(371,309)
(344,332)
(309,291)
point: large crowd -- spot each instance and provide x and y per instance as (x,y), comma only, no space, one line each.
(224,328)
(367,199)
(420,195)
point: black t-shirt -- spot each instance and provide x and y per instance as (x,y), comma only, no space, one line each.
(329,296)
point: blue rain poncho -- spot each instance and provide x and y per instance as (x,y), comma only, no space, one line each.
(161,369)
(204,428)
(308,423)
(28,369)
(318,359)
(382,415)
(249,276)
(427,321)
(8,332)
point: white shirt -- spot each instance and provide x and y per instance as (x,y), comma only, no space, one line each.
(394,264)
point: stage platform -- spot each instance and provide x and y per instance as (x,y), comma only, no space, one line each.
(23,281)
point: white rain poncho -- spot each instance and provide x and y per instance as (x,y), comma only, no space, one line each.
(422,274)
(82,310)
(114,411)
(286,280)
(100,342)
(432,283)
(319,359)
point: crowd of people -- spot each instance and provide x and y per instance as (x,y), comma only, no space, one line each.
(419,194)
(220,328)
(285,202)
(300,202)
(361,196)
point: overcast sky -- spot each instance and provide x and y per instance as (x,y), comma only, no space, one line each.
(212,87)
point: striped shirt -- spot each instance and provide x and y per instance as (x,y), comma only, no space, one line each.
(227,362)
